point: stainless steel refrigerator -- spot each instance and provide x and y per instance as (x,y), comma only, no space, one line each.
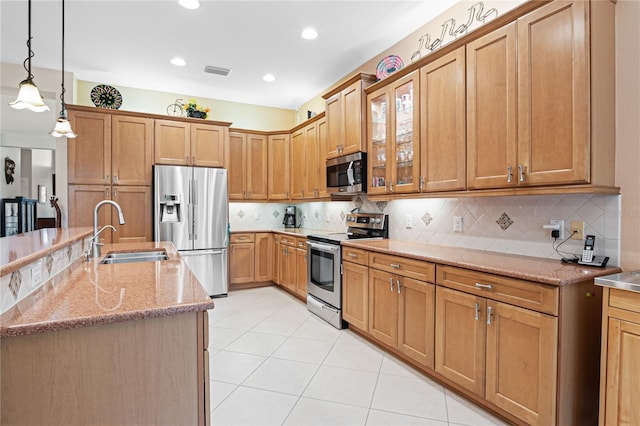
(191,209)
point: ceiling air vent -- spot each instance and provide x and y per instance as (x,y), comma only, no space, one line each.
(216,70)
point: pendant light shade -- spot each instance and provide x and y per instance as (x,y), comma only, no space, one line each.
(63,127)
(28,96)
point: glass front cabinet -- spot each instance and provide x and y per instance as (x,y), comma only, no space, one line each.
(18,215)
(392,132)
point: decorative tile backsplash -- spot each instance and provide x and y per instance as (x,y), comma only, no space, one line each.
(19,284)
(502,224)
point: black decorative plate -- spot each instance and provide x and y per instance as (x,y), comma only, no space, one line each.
(105,96)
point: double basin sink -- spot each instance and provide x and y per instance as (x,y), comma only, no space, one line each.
(134,256)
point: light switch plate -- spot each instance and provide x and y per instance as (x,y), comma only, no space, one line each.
(409,221)
(457,224)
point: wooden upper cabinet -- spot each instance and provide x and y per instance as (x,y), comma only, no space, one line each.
(190,144)
(248,162)
(89,154)
(321,184)
(443,121)
(172,143)
(346,124)
(278,168)
(298,164)
(131,150)
(491,110)
(237,159)
(256,168)
(207,144)
(553,102)
(311,159)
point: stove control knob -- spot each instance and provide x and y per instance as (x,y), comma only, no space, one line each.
(378,220)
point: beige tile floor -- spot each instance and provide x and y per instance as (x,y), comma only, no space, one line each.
(274,363)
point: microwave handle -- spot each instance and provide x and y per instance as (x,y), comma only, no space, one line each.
(350,178)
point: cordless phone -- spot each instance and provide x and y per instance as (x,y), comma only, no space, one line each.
(588,257)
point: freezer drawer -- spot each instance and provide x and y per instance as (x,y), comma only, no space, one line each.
(210,268)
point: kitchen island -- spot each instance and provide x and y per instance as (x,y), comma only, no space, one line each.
(111,344)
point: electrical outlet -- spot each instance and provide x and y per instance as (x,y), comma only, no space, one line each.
(457,224)
(36,275)
(577,229)
(560,224)
(408,221)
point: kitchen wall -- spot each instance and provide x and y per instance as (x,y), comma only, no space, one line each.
(243,116)
(500,224)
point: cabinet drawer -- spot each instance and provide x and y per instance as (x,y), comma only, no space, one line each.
(624,299)
(287,240)
(301,243)
(423,271)
(243,237)
(355,255)
(526,294)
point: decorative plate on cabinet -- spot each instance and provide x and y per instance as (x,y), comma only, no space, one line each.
(105,96)
(388,65)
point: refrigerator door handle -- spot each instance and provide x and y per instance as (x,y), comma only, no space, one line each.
(194,202)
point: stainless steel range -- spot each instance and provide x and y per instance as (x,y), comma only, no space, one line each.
(324,282)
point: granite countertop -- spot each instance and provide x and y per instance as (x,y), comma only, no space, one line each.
(548,271)
(89,293)
(20,250)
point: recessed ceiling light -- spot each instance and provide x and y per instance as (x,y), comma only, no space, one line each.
(189,4)
(269,77)
(309,34)
(178,62)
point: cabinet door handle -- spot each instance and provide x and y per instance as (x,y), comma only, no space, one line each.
(486,286)
(391,186)
(477,317)
(398,282)
(106,179)
(509,174)
(521,172)
(187,159)
(390,284)
(395,265)
(193,160)
(115,192)
(115,179)
(233,249)
(421,182)
(489,313)
(106,192)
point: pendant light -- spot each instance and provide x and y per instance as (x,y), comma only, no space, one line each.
(63,127)
(28,96)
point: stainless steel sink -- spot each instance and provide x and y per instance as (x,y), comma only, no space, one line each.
(135,256)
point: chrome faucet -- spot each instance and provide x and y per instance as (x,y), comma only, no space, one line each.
(96,232)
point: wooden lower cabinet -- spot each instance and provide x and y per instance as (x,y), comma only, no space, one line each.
(287,266)
(263,256)
(401,314)
(242,258)
(148,371)
(619,386)
(500,352)
(355,294)
(301,272)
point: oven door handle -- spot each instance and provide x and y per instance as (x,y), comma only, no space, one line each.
(323,247)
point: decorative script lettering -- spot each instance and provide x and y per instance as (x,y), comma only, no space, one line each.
(477,17)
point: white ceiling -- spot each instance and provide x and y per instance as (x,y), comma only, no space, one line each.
(129,43)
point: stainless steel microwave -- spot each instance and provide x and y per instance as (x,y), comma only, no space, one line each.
(347,174)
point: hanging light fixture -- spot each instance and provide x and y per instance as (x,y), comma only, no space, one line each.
(63,127)
(28,96)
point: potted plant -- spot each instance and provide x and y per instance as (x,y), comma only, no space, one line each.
(195,110)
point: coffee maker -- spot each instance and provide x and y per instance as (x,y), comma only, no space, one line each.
(290,217)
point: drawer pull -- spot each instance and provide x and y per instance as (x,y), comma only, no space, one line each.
(489,313)
(300,244)
(352,255)
(477,312)
(395,265)
(487,286)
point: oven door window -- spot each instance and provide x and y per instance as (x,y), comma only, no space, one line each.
(322,267)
